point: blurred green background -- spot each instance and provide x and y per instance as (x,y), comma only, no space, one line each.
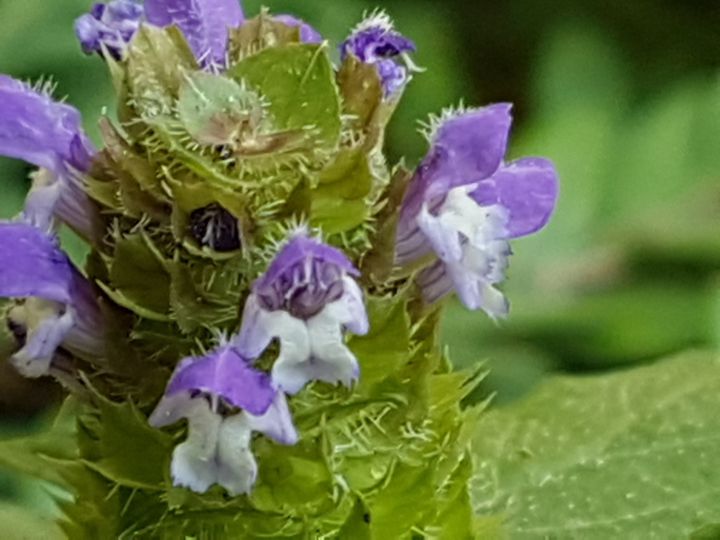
(623,96)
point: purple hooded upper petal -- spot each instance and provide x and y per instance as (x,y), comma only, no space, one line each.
(33,265)
(307,33)
(465,149)
(111,25)
(527,188)
(48,134)
(305,276)
(37,129)
(375,41)
(204,23)
(227,375)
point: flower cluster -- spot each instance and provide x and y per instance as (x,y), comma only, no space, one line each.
(304,300)
(232,131)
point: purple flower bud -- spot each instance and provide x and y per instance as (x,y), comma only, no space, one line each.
(307,33)
(110,25)
(305,299)
(375,41)
(224,400)
(56,305)
(204,23)
(464,204)
(48,134)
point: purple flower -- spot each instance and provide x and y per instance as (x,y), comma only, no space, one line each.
(224,401)
(305,299)
(48,134)
(110,25)
(307,33)
(464,205)
(375,41)
(56,305)
(204,23)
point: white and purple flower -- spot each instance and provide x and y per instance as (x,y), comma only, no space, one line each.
(375,41)
(55,305)
(465,204)
(109,27)
(49,135)
(224,401)
(307,297)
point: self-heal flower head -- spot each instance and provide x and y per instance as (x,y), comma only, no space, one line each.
(56,305)
(375,41)
(110,26)
(224,401)
(49,135)
(305,299)
(464,204)
(205,24)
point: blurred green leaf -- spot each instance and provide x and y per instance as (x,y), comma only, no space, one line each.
(22,524)
(600,329)
(626,455)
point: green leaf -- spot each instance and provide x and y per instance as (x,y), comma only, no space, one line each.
(139,275)
(46,455)
(157,60)
(387,347)
(361,89)
(22,524)
(298,81)
(259,33)
(118,443)
(194,306)
(455,516)
(400,507)
(626,455)
(357,526)
(338,202)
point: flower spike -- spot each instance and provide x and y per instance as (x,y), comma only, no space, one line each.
(56,305)
(204,23)
(224,401)
(375,41)
(305,299)
(109,26)
(464,205)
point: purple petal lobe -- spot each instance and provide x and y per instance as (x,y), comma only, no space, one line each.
(276,423)
(307,33)
(33,265)
(204,23)
(226,374)
(41,131)
(527,188)
(111,25)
